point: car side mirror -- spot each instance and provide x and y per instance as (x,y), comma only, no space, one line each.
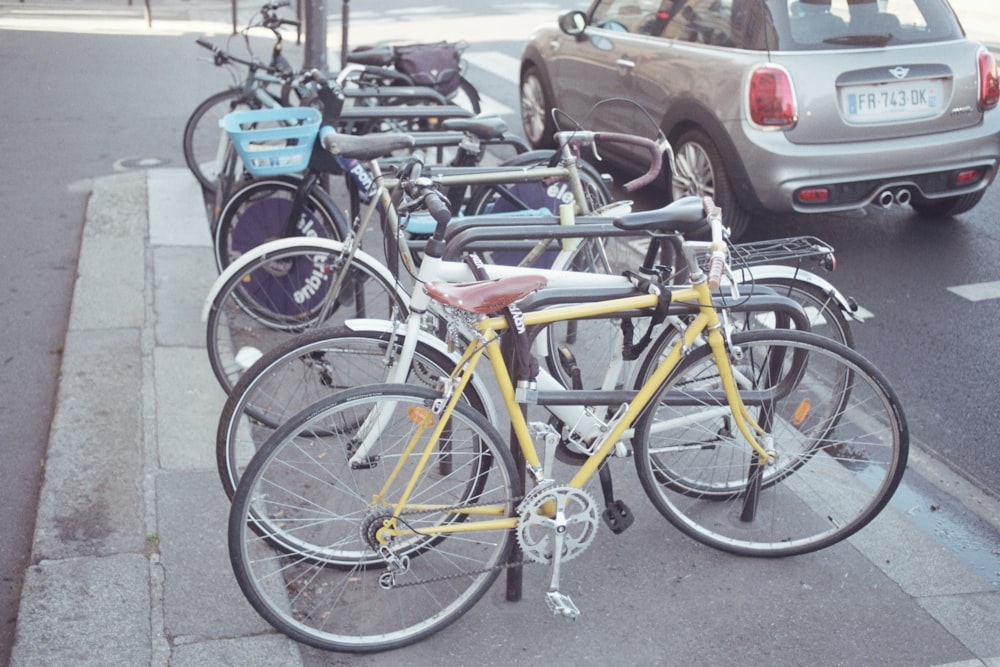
(573,23)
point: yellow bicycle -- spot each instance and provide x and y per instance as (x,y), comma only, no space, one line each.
(382,513)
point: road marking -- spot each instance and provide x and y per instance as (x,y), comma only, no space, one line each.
(496,63)
(863,314)
(500,65)
(490,106)
(978,291)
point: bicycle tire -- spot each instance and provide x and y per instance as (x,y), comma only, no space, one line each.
(839,386)
(202,133)
(839,454)
(283,293)
(357,605)
(260,211)
(826,317)
(305,368)
(467,97)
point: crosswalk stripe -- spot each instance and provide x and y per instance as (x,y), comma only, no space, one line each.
(488,105)
(496,63)
(978,291)
(499,65)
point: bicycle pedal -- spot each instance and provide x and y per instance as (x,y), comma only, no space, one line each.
(618,516)
(560,604)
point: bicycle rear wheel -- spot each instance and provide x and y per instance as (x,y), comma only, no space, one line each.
(304,528)
(825,315)
(831,420)
(306,368)
(283,293)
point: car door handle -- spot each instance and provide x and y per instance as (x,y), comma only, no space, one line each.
(625,63)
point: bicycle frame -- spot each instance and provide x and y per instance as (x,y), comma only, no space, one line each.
(487,343)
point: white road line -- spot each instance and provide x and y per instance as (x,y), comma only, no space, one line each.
(488,105)
(863,314)
(978,291)
(496,63)
(500,65)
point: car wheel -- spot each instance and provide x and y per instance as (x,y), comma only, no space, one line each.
(536,109)
(946,206)
(700,172)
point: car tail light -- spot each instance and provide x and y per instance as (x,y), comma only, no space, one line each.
(770,98)
(967,176)
(813,195)
(989,81)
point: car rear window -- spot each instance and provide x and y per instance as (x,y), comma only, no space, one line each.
(785,25)
(865,23)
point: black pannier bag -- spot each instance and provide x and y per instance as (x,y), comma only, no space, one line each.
(434,65)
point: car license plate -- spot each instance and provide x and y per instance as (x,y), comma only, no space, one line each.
(894,101)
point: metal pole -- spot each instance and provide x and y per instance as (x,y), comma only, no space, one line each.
(345,12)
(315,49)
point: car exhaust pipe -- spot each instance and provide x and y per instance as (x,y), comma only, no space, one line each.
(902,197)
(886,199)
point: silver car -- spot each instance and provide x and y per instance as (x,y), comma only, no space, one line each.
(805,106)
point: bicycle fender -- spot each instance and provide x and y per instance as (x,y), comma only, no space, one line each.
(385,326)
(849,306)
(271,247)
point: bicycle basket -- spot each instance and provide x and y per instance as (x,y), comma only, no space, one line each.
(273,141)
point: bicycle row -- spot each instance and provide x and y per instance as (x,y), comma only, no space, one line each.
(374,499)
(379,514)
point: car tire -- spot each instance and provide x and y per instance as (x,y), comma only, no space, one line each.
(701,171)
(945,207)
(536,109)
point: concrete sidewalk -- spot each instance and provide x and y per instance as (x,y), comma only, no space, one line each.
(130,560)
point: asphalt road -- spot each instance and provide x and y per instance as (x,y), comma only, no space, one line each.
(84,100)
(78,105)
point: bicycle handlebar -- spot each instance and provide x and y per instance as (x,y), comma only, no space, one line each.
(268,20)
(222,57)
(423,190)
(654,148)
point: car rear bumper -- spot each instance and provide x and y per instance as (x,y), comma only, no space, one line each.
(856,175)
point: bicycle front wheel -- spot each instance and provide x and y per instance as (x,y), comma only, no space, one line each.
(202,134)
(306,368)
(286,292)
(334,556)
(831,422)
(262,211)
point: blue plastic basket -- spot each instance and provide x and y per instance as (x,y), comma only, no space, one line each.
(273,141)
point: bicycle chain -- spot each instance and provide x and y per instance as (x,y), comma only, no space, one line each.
(503,566)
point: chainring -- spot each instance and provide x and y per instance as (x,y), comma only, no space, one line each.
(556,510)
